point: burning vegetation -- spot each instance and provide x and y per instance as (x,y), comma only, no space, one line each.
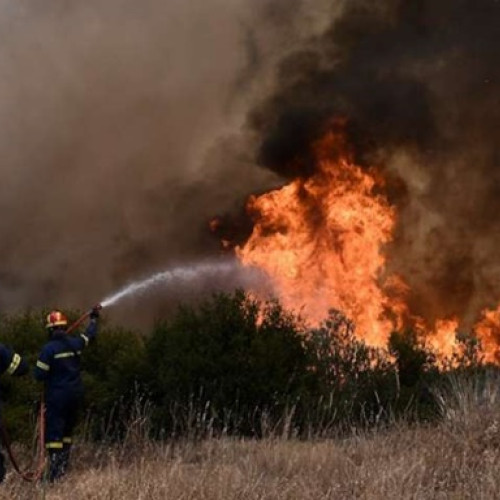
(385,215)
(322,240)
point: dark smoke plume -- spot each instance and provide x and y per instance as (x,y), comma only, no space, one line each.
(419,82)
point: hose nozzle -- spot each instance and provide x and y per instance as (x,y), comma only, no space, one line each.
(80,320)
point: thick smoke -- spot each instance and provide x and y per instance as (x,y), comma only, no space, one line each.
(111,162)
(419,81)
(121,136)
(125,126)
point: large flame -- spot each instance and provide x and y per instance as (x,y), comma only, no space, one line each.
(322,240)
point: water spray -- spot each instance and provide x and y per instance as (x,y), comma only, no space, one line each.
(180,274)
(183,274)
(247,276)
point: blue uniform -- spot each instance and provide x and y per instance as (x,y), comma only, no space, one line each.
(59,367)
(13,364)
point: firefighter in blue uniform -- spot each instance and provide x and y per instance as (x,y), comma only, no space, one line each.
(59,367)
(13,364)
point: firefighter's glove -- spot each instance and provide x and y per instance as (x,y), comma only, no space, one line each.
(94,313)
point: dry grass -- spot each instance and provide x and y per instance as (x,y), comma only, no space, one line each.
(457,459)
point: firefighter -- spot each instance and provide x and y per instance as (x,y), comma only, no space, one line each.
(13,364)
(59,367)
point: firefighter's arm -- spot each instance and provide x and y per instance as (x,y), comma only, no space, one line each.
(11,362)
(17,366)
(91,331)
(42,368)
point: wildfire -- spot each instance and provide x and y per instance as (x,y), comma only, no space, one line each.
(488,331)
(322,239)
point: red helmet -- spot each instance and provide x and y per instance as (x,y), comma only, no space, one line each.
(56,318)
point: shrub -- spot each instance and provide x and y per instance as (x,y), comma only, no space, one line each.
(113,368)
(228,361)
(356,382)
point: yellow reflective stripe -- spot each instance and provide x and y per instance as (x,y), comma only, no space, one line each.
(84,337)
(54,445)
(67,440)
(16,361)
(42,365)
(64,355)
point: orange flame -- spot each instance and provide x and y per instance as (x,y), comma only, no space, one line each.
(321,241)
(488,332)
(442,337)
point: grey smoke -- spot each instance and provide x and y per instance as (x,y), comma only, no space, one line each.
(121,135)
(119,139)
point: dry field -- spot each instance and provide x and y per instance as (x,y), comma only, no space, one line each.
(457,459)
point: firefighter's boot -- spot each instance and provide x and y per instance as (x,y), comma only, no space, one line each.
(56,470)
(65,455)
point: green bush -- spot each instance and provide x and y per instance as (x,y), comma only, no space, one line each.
(227,362)
(112,374)
(356,383)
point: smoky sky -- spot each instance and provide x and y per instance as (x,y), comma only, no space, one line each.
(125,126)
(118,139)
(419,82)
(122,134)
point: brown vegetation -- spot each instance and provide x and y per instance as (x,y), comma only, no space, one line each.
(458,458)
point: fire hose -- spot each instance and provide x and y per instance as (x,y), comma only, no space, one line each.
(36,474)
(29,475)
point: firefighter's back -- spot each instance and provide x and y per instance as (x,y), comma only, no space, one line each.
(65,368)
